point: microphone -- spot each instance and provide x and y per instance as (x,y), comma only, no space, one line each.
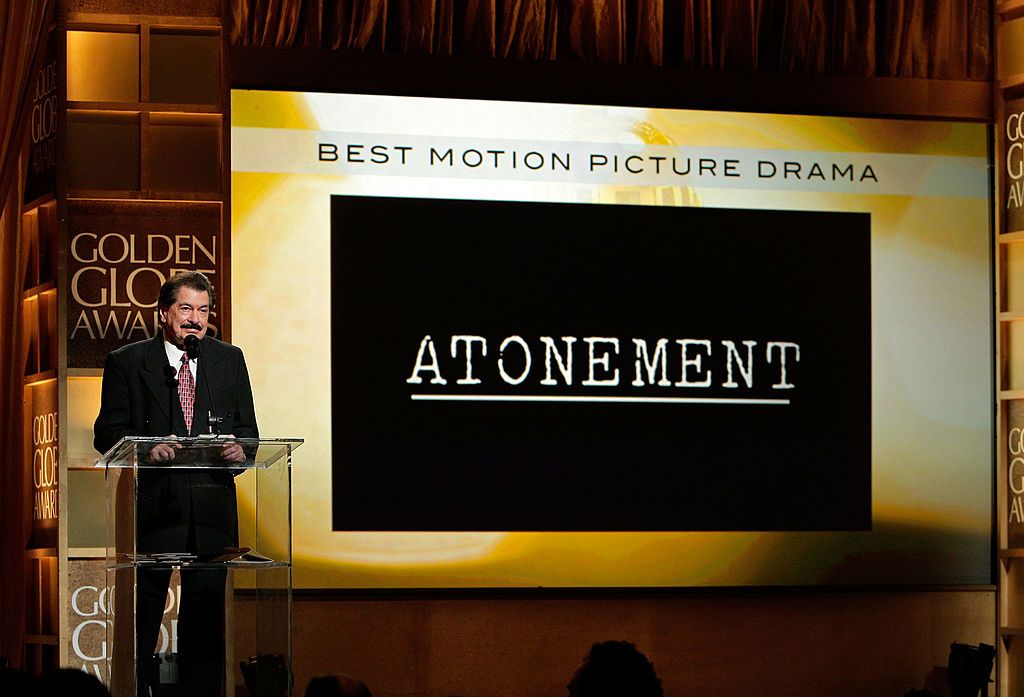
(170,374)
(192,349)
(192,346)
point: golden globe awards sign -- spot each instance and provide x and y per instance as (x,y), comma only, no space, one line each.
(1013,176)
(41,178)
(41,438)
(88,616)
(1015,474)
(120,254)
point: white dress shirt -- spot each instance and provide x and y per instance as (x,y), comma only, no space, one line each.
(174,358)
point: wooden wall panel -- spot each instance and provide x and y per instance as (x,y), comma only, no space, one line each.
(726,644)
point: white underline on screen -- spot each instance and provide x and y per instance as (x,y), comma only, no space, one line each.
(594,399)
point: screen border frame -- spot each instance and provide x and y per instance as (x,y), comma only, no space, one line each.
(669,87)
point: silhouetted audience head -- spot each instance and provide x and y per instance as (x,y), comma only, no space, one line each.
(14,683)
(68,682)
(337,685)
(615,669)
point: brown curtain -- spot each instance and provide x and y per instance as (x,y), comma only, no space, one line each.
(23,27)
(888,38)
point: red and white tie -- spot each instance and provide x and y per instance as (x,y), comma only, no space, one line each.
(186,391)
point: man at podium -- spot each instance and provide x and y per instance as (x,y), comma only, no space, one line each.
(179,384)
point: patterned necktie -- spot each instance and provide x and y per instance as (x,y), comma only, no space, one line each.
(186,391)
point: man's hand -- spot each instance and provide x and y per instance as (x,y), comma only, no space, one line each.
(164,452)
(232,452)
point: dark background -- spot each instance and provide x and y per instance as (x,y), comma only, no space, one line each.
(405,268)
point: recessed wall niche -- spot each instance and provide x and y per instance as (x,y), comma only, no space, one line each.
(103,150)
(103,66)
(184,68)
(182,152)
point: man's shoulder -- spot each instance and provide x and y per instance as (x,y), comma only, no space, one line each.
(219,347)
(138,348)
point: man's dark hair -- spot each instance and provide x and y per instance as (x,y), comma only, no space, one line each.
(196,280)
(615,669)
(337,685)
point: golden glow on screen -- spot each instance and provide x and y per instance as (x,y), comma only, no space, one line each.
(931,389)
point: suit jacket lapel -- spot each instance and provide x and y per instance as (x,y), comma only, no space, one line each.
(165,397)
(154,377)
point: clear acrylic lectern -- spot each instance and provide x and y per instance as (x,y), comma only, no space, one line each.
(200,544)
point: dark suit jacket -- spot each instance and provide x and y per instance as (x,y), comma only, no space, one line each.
(138,401)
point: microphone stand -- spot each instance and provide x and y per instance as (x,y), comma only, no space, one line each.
(193,350)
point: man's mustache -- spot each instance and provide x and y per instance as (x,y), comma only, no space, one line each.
(192,325)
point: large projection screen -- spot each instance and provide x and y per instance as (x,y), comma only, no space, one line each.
(556,345)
